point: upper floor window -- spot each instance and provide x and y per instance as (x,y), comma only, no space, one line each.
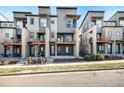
(69,38)
(31,21)
(6,35)
(42,37)
(121,22)
(32,35)
(118,33)
(74,23)
(110,34)
(43,22)
(52,34)
(5,25)
(97,22)
(10,25)
(69,23)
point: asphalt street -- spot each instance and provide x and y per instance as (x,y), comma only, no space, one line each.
(109,78)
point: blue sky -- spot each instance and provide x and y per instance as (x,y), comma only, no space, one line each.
(82,10)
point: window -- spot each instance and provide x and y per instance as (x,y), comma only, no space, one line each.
(18,26)
(66,49)
(5,25)
(109,48)
(93,22)
(97,22)
(109,33)
(42,37)
(118,33)
(43,22)
(52,22)
(69,23)
(32,35)
(68,38)
(6,35)
(98,36)
(74,23)
(118,48)
(42,49)
(10,25)
(121,22)
(59,49)
(52,34)
(52,49)
(100,48)
(31,21)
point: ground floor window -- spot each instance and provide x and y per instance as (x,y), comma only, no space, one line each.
(100,48)
(109,48)
(32,51)
(117,48)
(64,50)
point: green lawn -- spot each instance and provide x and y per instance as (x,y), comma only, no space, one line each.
(61,68)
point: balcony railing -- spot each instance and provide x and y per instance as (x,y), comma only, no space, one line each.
(37,42)
(104,40)
(65,41)
(12,42)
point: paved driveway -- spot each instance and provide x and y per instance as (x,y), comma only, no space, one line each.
(77,79)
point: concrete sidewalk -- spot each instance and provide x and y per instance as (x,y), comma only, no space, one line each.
(62,64)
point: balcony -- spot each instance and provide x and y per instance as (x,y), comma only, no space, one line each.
(37,42)
(65,42)
(104,40)
(12,42)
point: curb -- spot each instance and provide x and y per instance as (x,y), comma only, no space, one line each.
(52,72)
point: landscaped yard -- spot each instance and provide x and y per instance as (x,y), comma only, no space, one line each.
(61,68)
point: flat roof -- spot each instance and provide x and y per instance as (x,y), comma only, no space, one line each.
(43,7)
(22,12)
(87,14)
(115,14)
(66,7)
(6,21)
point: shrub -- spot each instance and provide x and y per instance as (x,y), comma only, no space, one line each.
(94,58)
(99,57)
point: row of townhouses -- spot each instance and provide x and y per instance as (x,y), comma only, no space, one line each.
(57,36)
(102,37)
(50,36)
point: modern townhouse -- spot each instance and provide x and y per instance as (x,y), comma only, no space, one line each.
(102,37)
(8,45)
(51,36)
(42,34)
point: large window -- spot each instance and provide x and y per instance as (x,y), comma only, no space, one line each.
(100,49)
(69,23)
(97,22)
(121,22)
(43,22)
(109,34)
(118,34)
(52,34)
(42,37)
(6,35)
(109,48)
(31,21)
(69,38)
(118,48)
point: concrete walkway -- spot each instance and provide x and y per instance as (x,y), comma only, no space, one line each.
(62,64)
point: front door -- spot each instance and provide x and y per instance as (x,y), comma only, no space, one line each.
(52,50)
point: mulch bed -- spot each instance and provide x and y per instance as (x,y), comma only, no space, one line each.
(67,60)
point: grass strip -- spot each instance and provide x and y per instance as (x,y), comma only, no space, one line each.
(61,68)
